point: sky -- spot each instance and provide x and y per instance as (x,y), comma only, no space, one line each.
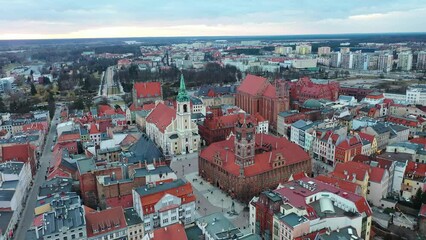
(47,19)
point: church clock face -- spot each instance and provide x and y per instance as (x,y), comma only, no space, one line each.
(238,135)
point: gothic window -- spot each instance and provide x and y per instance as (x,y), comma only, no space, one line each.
(185,108)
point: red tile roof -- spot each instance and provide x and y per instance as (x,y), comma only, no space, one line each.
(147,89)
(366,136)
(133,107)
(347,170)
(19,152)
(262,160)
(148,106)
(104,108)
(125,201)
(103,222)
(94,129)
(350,143)
(270,91)
(38,221)
(35,126)
(339,183)
(161,116)
(416,169)
(375,96)
(252,85)
(71,137)
(175,231)
(419,141)
(377,174)
(296,195)
(184,192)
(298,176)
(405,121)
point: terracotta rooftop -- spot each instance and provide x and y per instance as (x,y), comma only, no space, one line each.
(94,129)
(174,231)
(339,183)
(103,222)
(147,89)
(296,195)
(252,85)
(161,116)
(290,152)
(150,196)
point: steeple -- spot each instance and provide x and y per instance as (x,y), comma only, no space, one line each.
(182,95)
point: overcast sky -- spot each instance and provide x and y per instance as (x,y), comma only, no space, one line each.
(23,19)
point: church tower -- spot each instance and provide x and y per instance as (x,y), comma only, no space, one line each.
(183,118)
(244,143)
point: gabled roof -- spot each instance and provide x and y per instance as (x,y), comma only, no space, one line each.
(349,170)
(147,89)
(174,231)
(367,136)
(252,84)
(150,196)
(94,129)
(339,183)
(270,91)
(296,195)
(161,116)
(289,151)
(416,169)
(421,141)
(19,152)
(103,222)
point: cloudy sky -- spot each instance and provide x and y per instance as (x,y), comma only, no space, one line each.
(31,19)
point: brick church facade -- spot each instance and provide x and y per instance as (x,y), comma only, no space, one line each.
(248,163)
(258,95)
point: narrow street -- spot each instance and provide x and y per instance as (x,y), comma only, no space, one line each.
(27,215)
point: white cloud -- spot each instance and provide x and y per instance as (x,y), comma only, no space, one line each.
(128,18)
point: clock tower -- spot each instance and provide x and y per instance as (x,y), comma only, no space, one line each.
(244,143)
(183,119)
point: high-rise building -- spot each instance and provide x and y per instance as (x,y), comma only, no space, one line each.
(421,60)
(347,60)
(283,50)
(335,59)
(373,62)
(385,62)
(405,61)
(360,61)
(324,51)
(303,49)
(344,50)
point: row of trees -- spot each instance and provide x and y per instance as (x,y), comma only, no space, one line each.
(212,74)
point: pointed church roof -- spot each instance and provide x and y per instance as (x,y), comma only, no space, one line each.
(182,95)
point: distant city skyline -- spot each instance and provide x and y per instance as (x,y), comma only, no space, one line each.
(44,19)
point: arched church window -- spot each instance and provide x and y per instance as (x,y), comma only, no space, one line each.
(185,108)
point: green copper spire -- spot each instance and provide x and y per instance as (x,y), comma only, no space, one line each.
(182,95)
